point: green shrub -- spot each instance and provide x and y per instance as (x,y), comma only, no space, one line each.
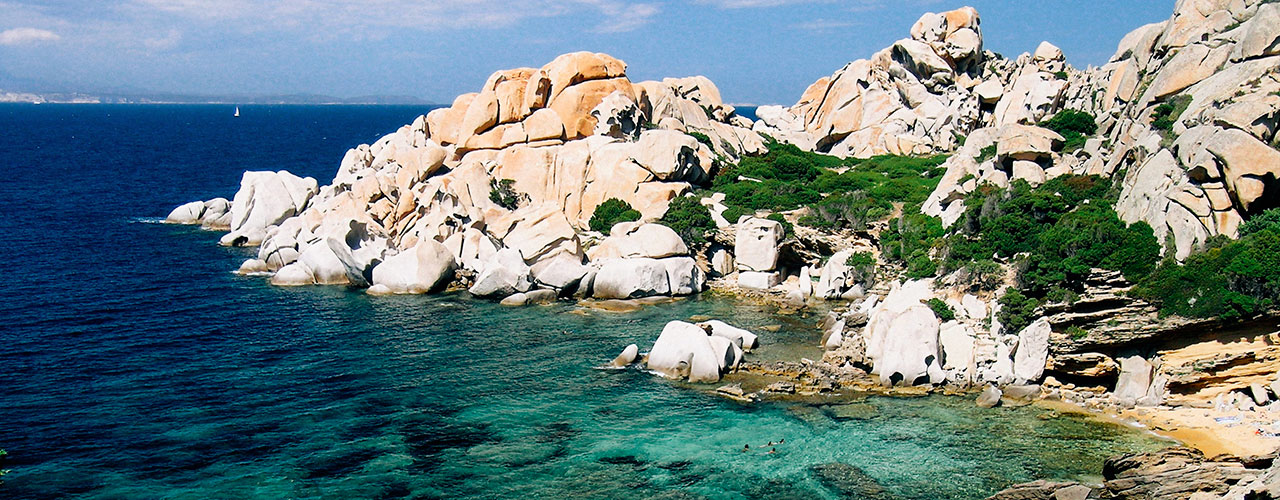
(504,193)
(862,266)
(1061,75)
(689,219)
(1074,126)
(732,213)
(846,211)
(910,239)
(983,275)
(1228,280)
(1167,113)
(941,309)
(1077,333)
(701,137)
(1269,219)
(1016,311)
(986,153)
(611,212)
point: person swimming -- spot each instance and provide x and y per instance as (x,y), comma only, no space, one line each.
(772,451)
(746,448)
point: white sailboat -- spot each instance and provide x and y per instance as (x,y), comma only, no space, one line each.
(237,115)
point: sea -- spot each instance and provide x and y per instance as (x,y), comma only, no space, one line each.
(135,365)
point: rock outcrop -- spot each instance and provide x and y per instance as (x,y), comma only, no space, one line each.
(506,180)
(690,352)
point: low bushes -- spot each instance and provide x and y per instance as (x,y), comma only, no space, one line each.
(690,219)
(611,212)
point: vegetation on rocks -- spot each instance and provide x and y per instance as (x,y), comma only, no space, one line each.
(611,212)
(1074,126)
(862,266)
(503,192)
(1167,113)
(941,309)
(1226,279)
(689,219)
(839,193)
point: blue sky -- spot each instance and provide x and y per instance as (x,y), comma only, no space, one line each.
(757,51)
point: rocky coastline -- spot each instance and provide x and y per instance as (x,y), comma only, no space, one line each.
(503,194)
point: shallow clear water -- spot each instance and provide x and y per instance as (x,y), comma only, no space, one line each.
(133,364)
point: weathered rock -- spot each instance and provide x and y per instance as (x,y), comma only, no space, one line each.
(684,275)
(628,356)
(266,199)
(1043,490)
(742,338)
(756,245)
(504,274)
(638,239)
(1174,473)
(631,278)
(425,268)
(1032,351)
(902,337)
(758,280)
(684,350)
(990,397)
(561,273)
(1134,381)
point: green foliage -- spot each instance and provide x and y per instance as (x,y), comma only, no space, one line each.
(1016,310)
(1060,230)
(986,153)
(1077,333)
(787,178)
(1167,113)
(862,266)
(1074,126)
(941,309)
(1061,75)
(1228,280)
(911,239)
(701,137)
(733,213)
(690,219)
(504,193)
(846,211)
(611,212)
(983,275)
(1268,219)
(788,230)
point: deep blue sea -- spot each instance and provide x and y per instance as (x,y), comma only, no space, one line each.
(135,365)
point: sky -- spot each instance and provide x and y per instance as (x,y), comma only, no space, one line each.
(757,51)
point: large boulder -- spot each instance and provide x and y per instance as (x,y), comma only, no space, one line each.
(425,268)
(1134,381)
(639,239)
(1032,352)
(504,274)
(902,337)
(756,244)
(684,275)
(631,279)
(685,350)
(266,199)
(742,338)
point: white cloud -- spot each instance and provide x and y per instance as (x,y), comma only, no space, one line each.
(22,36)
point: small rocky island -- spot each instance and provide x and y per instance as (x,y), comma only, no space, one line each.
(1008,229)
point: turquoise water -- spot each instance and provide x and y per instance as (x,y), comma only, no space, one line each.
(135,365)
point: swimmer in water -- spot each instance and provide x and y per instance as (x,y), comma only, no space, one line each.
(772,451)
(746,448)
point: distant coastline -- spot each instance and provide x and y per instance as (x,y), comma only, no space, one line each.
(19,97)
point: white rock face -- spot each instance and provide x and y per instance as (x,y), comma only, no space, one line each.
(212,214)
(1032,352)
(758,280)
(740,337)
(425,268)
(1134,381)
(627,357)
(756,244)
(722,262)
(631,278)
(684,350)
(902,337)
(266,199)
(504,274)
(188,213)
(684,276)
(958,352)
(561,273)
(639,239)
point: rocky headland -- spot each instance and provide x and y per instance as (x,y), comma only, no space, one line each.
(1014,230)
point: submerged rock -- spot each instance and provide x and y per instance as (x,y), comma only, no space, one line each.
(850,482)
